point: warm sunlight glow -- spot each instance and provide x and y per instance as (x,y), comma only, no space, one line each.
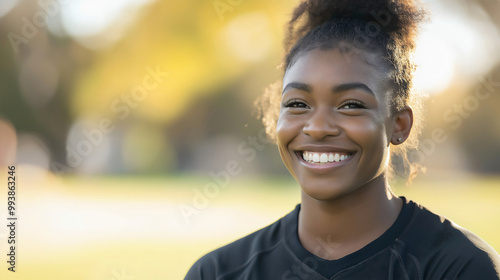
(6,6)
(90,17)
(450,47)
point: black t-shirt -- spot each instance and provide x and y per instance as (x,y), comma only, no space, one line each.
(419,245)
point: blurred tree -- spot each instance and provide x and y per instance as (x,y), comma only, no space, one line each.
(480,133)
(24,98)
(219,55)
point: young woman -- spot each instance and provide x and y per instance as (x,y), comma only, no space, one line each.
(346,105)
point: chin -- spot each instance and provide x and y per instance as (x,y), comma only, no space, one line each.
(326,191)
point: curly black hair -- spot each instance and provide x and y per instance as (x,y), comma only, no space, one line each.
(386,27)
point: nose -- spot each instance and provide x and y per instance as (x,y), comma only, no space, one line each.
(321,124)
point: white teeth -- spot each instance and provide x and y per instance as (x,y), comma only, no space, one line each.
(315,157)
(323,157)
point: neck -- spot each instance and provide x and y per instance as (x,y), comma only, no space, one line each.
(335,228)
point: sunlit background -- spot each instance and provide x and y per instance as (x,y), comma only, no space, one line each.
(137,147)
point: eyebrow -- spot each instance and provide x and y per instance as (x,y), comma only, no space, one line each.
(337,89)
(296,85)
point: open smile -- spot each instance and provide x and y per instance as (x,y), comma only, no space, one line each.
(323,160)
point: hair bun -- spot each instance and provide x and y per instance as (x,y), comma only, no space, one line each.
(398,19)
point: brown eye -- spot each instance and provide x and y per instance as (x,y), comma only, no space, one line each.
(295,104)
(352,104)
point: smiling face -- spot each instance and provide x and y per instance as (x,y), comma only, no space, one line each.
(335,123)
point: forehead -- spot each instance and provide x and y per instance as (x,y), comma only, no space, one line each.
(336,66)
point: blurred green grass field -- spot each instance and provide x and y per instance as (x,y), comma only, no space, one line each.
(133,228)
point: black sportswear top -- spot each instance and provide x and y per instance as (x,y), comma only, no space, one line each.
(419,245)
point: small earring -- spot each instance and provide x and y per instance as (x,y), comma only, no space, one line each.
(399,139)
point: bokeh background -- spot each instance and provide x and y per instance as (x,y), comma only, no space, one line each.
(133,129)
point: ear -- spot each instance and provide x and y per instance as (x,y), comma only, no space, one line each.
(403,122)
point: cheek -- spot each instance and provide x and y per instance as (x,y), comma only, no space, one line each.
(370,136)
(369,133)
(286,131)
